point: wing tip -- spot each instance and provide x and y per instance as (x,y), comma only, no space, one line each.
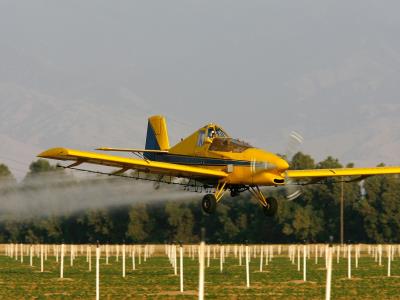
(53,152)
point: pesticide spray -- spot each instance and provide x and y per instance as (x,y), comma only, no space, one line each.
(56,194)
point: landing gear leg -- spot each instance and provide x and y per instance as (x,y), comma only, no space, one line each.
(272,207)
(209,203)
(269,205)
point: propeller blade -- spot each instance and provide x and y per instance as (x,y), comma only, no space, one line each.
(295,140)
(294,195)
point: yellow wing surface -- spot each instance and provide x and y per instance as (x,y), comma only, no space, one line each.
(345,172)
(125,163)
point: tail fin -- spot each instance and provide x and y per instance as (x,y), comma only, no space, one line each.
(157,135)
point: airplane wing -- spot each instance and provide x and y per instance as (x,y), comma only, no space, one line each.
(320,174)
(125,164)
(131,150)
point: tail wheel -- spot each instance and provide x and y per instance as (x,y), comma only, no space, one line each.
(272,207)
(209,204)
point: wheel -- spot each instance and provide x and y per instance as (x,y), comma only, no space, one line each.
(209,204)
(272,207)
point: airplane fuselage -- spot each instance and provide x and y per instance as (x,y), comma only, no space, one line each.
(210,147)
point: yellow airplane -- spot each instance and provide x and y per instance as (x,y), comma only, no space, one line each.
(212,161)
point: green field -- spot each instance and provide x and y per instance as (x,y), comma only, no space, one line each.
(155,279)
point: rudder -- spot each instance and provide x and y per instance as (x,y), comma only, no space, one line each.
(157,134)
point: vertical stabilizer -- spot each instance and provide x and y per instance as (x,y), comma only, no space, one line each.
(157,134)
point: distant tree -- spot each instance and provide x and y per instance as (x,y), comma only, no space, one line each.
(4,171)
(380,208)
(139,219)
(329,162)
(299,220)
(98,225)
(180,220)
(5,174)
(302,161)
(40,166)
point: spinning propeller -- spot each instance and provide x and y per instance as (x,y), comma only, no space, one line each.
(295,140)
(293,191)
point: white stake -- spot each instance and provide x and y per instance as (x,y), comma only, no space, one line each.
(304,263)
(90,258)
(389,250)
(30,255)
(247,267)
(97,272)
(337,254)
(356,255)
(117,254)
(62,261)
(240,255)
(298,258)
(22,254)
(221,258)
(328,274)
(208,255)
(271,252)
(123,260)
(181,267)
(201,271)
(349,261)
(326,256)
(133,259)
(107,254)
(261,259)
(41,259)
(175,260)
(71,256)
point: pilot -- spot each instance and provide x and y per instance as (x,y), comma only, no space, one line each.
(211,133)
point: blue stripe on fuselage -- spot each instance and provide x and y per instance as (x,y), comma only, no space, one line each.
(196,160)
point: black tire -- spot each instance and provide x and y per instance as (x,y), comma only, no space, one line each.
(209,204)
(272,207)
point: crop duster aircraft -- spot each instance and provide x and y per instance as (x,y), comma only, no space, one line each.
(214,161)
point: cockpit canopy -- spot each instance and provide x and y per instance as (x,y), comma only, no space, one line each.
(228,145)
(220,140)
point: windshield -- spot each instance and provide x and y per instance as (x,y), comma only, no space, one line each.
(220,132)
(228,145)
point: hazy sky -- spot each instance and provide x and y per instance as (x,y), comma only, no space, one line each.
(259,68)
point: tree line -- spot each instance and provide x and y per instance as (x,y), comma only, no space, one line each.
(371,214)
